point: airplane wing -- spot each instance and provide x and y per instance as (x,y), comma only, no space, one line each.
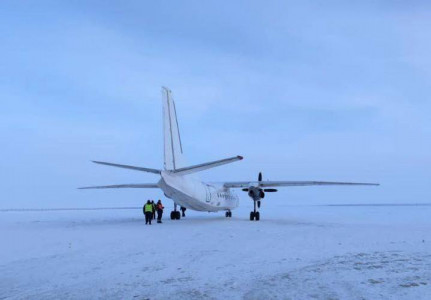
(121,186)
(246,184)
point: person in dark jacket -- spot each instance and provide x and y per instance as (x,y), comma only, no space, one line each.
(154,209)
(148,210)
(160,208)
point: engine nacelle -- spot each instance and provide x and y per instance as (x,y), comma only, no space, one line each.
(256,193)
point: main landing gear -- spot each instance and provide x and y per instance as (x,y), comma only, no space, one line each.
(255,215)
(183,211)
(228,214)
(175,214)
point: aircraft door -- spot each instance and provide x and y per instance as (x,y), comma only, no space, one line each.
(208,194)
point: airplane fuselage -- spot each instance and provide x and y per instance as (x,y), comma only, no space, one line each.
(194,194)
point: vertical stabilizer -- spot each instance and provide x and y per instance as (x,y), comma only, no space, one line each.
(173,149)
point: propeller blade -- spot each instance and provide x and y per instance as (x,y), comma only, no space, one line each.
(260,176)
(270,190)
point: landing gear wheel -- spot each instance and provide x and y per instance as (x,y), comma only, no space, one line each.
(230,214)
(254,216)
(227,214)
(175,215)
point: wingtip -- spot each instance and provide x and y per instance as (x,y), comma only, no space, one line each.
(240,157)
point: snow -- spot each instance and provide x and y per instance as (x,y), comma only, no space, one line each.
(294,252)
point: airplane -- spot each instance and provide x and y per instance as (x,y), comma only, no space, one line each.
(179,182)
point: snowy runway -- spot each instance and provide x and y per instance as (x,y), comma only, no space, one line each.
(294,252)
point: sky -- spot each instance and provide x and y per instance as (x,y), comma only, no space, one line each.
(304,90)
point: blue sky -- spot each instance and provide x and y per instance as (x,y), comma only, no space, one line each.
(305,90)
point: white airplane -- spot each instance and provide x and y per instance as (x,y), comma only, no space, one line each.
(179,183)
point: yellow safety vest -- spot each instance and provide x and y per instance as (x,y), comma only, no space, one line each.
(148,207)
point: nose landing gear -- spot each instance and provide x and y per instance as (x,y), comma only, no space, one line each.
(228,214)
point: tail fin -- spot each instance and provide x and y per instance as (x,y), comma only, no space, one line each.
(173,152)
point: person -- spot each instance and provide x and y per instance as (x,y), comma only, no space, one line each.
(148,209)
(154,209)
(160,208)
(183,210)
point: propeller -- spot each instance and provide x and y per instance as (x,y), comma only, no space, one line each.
(261,191)
(257,193)
(259,179)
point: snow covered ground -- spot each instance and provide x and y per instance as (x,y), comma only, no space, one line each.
(294,252)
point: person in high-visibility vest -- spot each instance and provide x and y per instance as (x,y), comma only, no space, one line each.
(148,210)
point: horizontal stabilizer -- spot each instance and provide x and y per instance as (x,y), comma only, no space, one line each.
(122,186)
(155,171)
(205,166)
(245,184)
